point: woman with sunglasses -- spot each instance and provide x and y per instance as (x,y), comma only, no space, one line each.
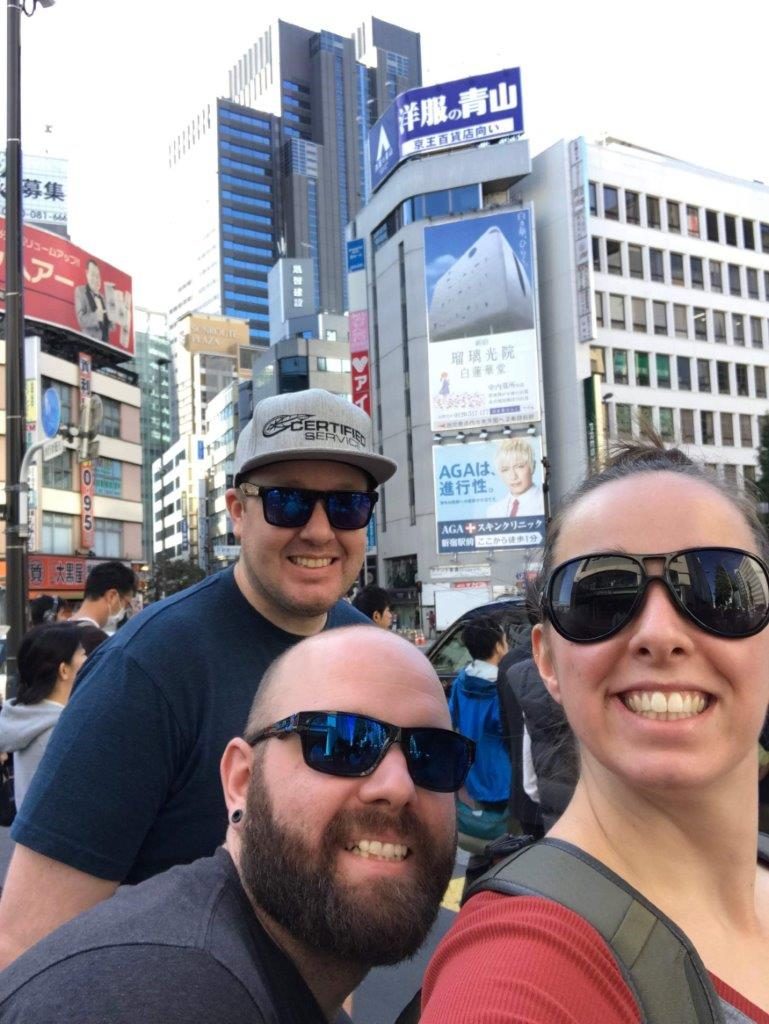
(653,605)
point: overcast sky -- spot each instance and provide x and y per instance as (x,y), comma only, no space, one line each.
(117,80)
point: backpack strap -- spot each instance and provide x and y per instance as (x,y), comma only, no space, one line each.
(648,947)
(763,848)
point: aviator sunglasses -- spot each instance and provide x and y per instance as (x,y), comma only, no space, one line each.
(342,743)
(293,506)
(724,591)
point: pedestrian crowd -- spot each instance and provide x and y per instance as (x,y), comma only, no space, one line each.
(251,793)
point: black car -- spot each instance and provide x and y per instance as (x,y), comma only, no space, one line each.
(448,654)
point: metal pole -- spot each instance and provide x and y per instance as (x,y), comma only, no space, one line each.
(15,544)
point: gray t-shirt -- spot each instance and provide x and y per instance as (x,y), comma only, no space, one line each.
(183,947)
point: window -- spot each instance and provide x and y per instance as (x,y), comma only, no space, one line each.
(110,424)
(693,221)
(596,243)
(639,314)
(645,418)
(597,362)
(741,374)
(632,207)
(756,332)
(749,473)
(676,268)
(735,287)
(674,217)
(706,426)
(711,226)
(617,310)
(766,285)
(642,376)
(719,326)
(700,324)
(764,237)
(660,315)
(65,392)
(680,322)
(730,473)
(687,426)
(635,261)
(613,256)
(108,538)
(716,284)
(57,533)
(759,381)
(738,328)
(624,422)
(656,265)
(108,479)
(696,272)
(652,212)
(598,298)
(751,279)
(667,430)
(683,366)
(58,472)
(620,366)
(610,202)
(593,198)
(703,375)
(730,229)
(748,238)
(727,429)
(746,431)
(663,370)
(722,376)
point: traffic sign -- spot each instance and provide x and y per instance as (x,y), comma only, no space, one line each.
(51,415)
(53,448)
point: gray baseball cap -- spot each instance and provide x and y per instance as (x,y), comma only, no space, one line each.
(310,424)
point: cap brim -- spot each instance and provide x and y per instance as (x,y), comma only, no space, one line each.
(377,466)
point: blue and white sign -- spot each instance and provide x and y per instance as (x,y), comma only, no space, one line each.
(356,255)
(436,117)
(51,413)
(488,494)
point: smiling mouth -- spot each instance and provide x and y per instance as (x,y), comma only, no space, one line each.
(666,707)
(310,563)
(376,850)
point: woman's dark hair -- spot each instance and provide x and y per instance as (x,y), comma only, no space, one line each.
(91,636)
(41,652)
(630,458)
(481,635)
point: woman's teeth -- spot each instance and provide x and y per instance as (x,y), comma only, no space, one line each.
(668,706)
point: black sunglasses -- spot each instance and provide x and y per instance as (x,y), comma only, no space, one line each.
(293,506)
(724,591)
(342,743)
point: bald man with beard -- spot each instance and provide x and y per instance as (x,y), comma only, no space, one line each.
(340,846)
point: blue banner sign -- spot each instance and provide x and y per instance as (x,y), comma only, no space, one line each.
(356,255)
(431,118)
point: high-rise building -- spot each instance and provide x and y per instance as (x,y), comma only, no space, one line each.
(278,168)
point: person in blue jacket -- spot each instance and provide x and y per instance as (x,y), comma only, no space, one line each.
(482,803)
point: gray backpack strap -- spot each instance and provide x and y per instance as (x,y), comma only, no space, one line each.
(660,965)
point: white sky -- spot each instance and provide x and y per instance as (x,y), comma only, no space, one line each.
(118,79)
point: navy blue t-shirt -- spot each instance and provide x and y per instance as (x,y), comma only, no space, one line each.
(129,784)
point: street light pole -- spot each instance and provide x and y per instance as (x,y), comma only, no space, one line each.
(15,545)
(15,538)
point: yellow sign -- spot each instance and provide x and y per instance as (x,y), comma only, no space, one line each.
(215,334)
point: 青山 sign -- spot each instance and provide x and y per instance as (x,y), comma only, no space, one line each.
(435,117)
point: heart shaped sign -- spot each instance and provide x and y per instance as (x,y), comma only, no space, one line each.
(360,363)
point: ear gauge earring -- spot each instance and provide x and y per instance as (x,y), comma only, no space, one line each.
(236,816)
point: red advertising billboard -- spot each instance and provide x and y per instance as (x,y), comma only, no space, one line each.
(68,287)
(359,359)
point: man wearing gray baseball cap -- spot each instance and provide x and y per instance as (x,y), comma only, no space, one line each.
(129,784)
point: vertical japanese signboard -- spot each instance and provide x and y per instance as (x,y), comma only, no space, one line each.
(483,356)
(488,495)
(360,360)
(87,482)
(582,257)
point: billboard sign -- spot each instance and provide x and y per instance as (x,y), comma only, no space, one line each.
(43,190)
(488,494)
(583,263)
(360,363)
(356,255)
(67,287)
(206,332)
(483,356)
(482,108)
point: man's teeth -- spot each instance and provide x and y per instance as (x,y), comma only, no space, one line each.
(382,851)
(311,563)
(667,707)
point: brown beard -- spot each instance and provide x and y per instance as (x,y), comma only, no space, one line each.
(298,887)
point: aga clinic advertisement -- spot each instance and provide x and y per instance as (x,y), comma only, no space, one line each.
(482,353)
(488,494)
(68,287)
